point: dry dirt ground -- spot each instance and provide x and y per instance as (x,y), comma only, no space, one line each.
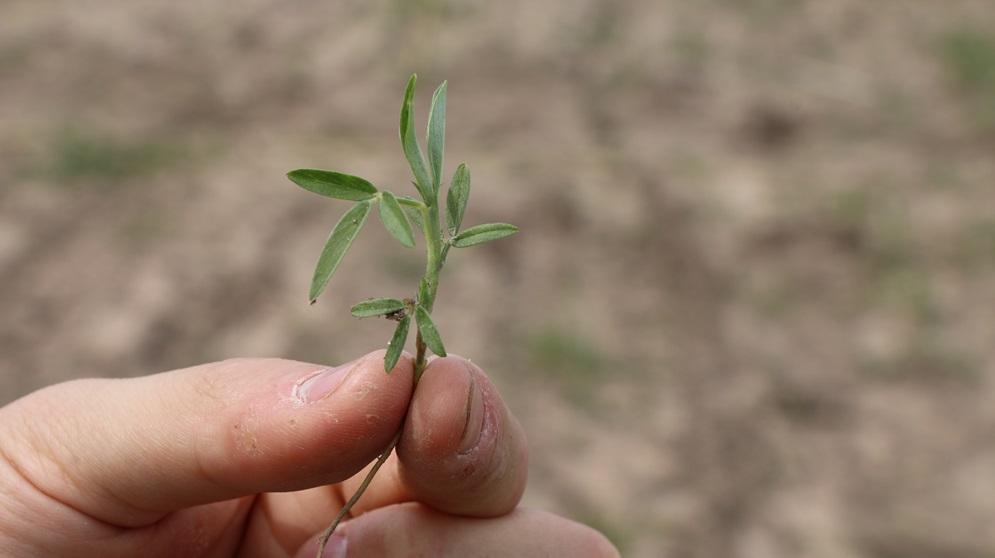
(751,312)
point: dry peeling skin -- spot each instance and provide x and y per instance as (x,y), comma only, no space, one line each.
(440,456)
(244,437)
(274,421)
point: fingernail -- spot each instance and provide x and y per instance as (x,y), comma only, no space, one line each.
(336,547)
(474,416)
(322,383)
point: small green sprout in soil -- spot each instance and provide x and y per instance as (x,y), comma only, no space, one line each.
(397,213)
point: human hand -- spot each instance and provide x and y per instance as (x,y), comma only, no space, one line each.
(253,457)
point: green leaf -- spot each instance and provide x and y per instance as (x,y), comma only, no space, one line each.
(409,201)
(396,345)
(394,220)
(333,184)
(429,334)
(456,198)
(377,307)
(412,208)
(339,240)
(437,134)
(483,233)
(409,142)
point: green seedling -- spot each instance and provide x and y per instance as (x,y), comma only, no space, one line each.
(397,213)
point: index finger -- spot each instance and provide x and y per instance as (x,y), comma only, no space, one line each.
(129,451)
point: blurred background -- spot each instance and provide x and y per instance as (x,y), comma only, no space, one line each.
(750,313)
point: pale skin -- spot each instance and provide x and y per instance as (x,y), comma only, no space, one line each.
(253,457)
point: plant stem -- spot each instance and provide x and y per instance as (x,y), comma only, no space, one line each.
(327,533)
(420,364)
(433,241)
(436,252)
(433,263)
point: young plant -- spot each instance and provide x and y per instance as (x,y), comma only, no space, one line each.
(396,213)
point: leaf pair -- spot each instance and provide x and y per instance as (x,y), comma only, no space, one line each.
(427,185)
(383,307)
(456,200)
(429,334)
(386,306)
(348,187)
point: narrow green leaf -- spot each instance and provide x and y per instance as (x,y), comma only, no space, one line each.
(409,142)
(456,198)
(377,307)
(437,134)
(409,201)
(333,184)
(412,208)
(483,233)
(339,240)
(414,216)
(394,220)
(429,334)
(396,345)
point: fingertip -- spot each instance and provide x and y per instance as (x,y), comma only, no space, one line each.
(361,415)
(462,451)
(398,380)
(439,409)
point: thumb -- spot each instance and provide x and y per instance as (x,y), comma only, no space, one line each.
(129,451)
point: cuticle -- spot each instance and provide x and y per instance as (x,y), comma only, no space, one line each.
(295,391)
